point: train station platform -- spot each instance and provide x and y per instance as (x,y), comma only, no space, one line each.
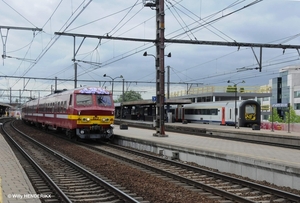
(15,187)
(280,166)
(291,138)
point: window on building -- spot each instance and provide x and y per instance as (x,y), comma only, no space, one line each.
(265,117)
(296,94)
(297,106)
(265,98)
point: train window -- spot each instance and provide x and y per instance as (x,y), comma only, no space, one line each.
(250,112)
(104,100)
(84,99)
(61,106)
(250,108)
(58,107)
(201,111)
(214,112)
(55,107)
(65,106)
(70,102)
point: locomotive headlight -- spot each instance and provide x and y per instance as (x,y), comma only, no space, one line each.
(82,131)
(85,119)
(105,119)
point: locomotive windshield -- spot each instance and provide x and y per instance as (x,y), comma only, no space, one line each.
(250,108)
(84,100)
(103,100)
(87,100)
(250,112)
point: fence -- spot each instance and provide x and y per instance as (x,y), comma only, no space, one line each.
(294,127)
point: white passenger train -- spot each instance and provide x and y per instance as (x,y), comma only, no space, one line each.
(221,112)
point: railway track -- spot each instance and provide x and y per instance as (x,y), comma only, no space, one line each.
(67,180)
(215,185)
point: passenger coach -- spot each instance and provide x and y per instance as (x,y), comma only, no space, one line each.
(87,113)
(221,112)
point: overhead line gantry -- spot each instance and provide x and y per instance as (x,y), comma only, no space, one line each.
(197,42)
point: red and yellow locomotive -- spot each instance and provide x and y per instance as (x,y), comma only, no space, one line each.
(87,113)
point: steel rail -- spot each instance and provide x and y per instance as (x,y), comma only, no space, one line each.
(105,184)
(44,175)
(256,186)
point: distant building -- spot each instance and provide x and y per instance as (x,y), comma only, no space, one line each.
(286,88)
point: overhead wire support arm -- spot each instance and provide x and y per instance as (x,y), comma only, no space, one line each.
(104,37)
(4,37)
(75,52)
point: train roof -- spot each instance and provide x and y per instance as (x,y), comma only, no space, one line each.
(91,90)
(218,103)
(82,90)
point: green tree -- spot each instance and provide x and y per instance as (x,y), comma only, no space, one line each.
(130,96)
(294,118)
(276,117)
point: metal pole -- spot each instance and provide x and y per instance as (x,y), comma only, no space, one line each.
(123,126)
(123,99)
(123,96)
(289,121)
(168,87)
(235,110)
(55,88)
(272,119)
(112,87)
(160,69)
(75,78)
(75,64)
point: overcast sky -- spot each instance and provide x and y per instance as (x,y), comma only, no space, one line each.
(42,54)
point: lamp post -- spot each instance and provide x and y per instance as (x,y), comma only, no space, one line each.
(235,100)
(160,94)
(112,83)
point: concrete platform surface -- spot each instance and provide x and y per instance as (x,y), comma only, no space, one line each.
(15,186)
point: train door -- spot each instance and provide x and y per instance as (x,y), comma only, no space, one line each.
(223,116)
(229,114)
